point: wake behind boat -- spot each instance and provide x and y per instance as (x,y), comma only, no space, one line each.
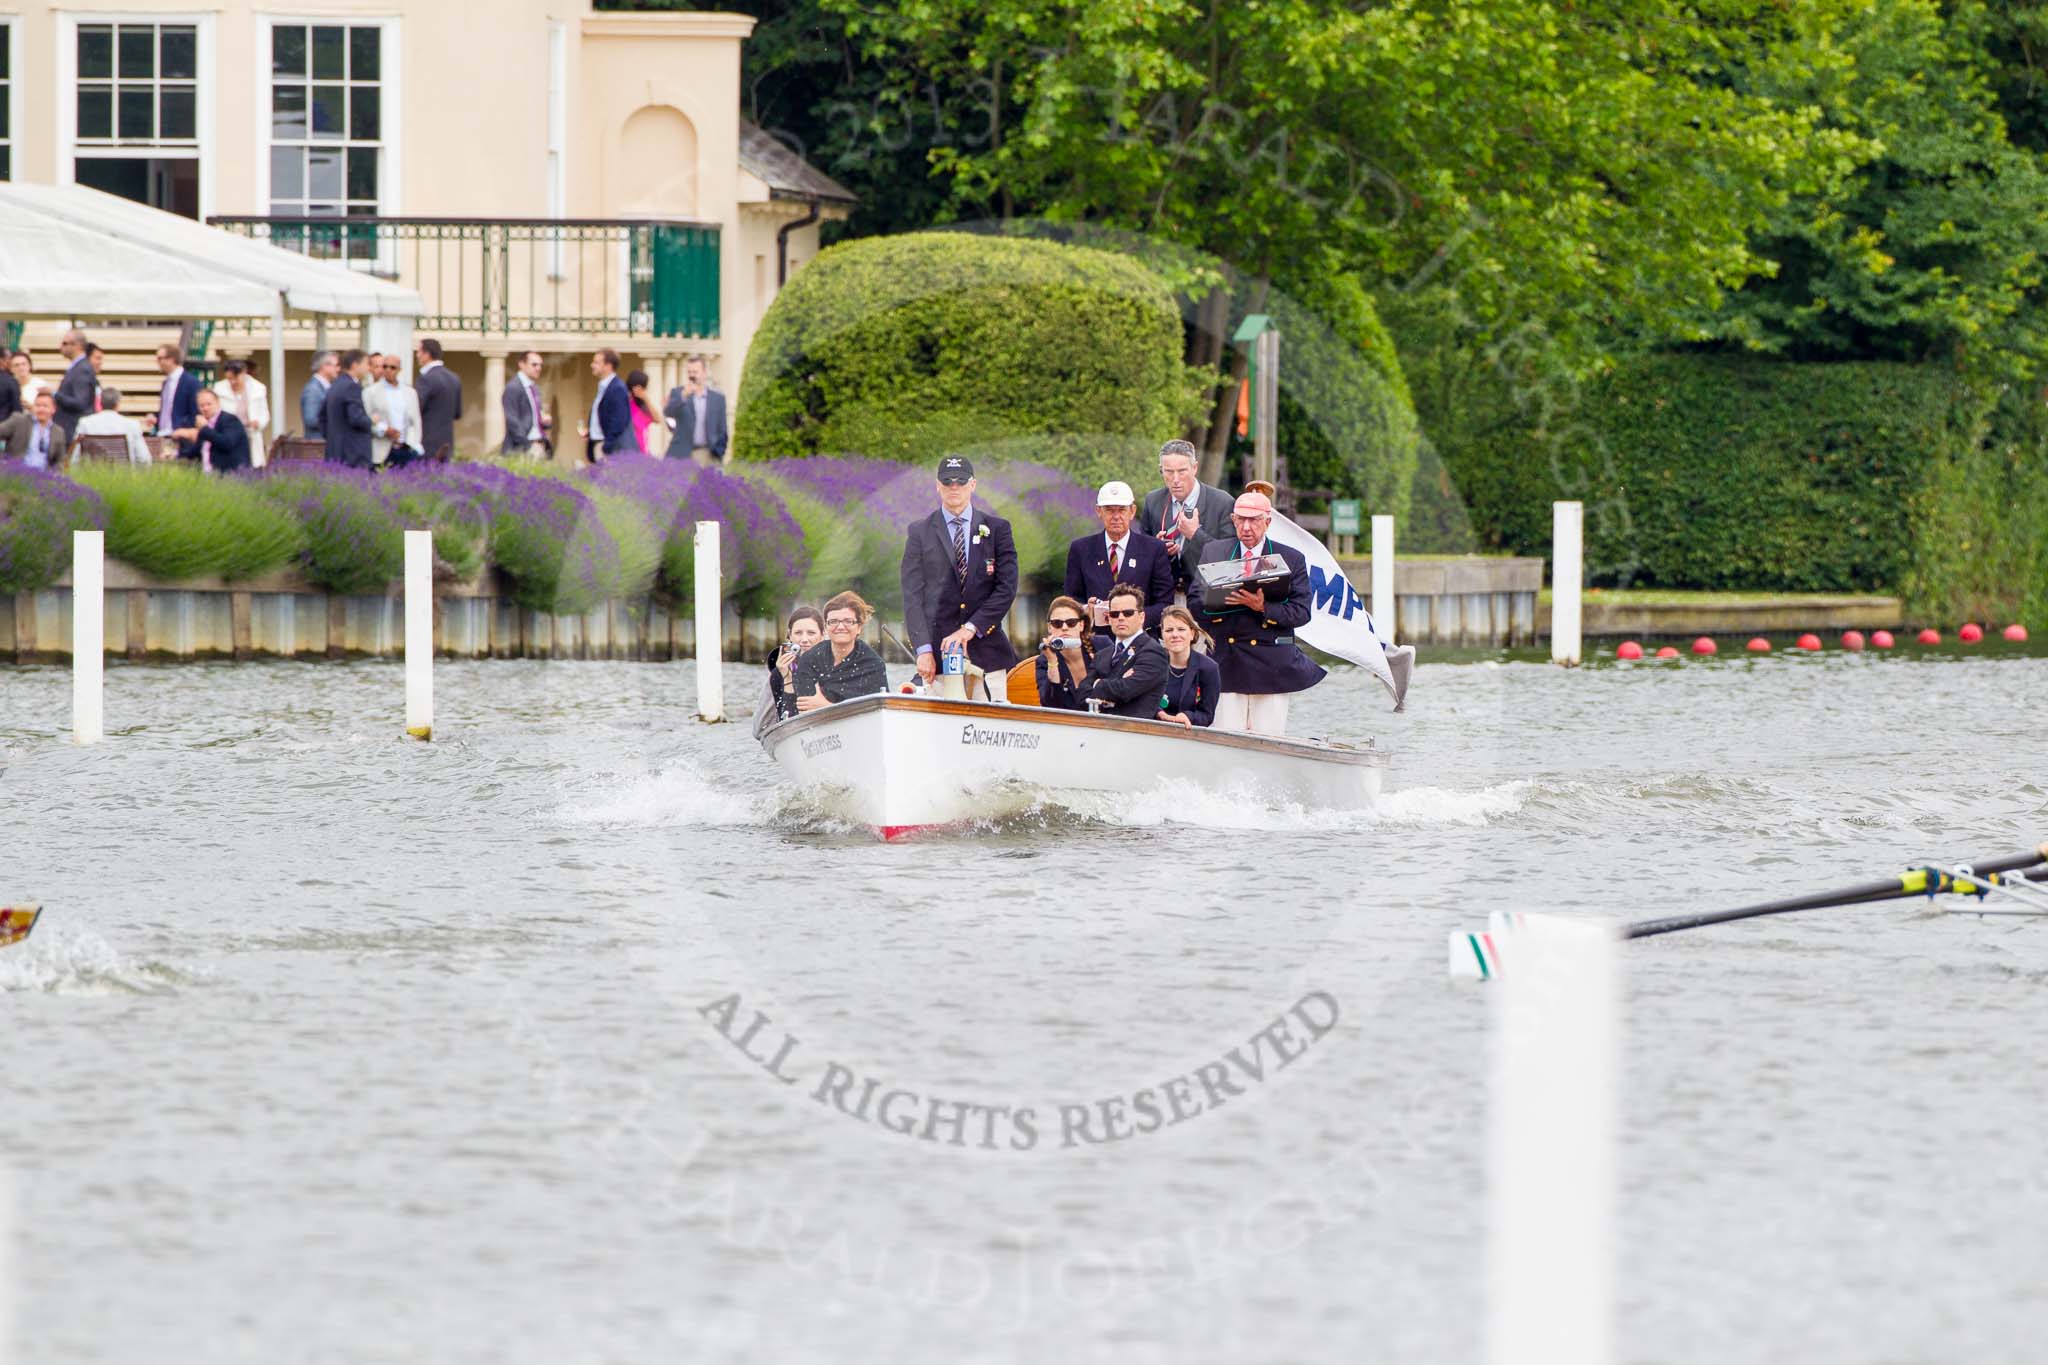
(900,764)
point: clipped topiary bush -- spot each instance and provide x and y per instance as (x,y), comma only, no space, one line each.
(911,347)
(179,523)
(38,512)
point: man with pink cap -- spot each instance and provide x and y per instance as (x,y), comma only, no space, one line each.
(1254,634)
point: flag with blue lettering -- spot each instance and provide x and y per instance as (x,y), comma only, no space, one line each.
(1339,623)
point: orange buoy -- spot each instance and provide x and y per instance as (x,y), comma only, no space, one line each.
(1808,641)
(1929,636)
(1852,640)
(1667,652)
(1759,646)
(2016,633)
(1705,645)
(1628,649)
(1882,639)
(1971,633)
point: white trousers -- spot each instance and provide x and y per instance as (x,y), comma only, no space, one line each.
(1262,713)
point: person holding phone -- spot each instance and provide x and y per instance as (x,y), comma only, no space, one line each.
(1065,657)
(805,630)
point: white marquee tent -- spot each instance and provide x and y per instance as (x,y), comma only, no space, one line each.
(75,253)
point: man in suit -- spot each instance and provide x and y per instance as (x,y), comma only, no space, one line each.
(394,415)
(313,398)
(696,411)
(221,440)
(33,437)
(959,578)
(1253,636)
(78,392)
(440,402)
(1186,513)
(1118,555)
(1129,673)
(10,387)
(177,404)
(611,412)
(526,417)
(346,421)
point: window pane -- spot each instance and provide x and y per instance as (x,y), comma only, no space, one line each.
(175,116)
(365,56)
(138,112)
(288,112)
(6,163)
(327,54)
(288,172)
(363,122)
(178,53)
(362,241)
(6,57)
(95,51)
(287,51)
(328,111)
(138,51)
(5,130)
(362,172)
(95,111)
(323,173)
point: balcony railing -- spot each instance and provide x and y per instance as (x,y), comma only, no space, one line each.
(520,276)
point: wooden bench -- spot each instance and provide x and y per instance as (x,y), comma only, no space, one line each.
(288,448)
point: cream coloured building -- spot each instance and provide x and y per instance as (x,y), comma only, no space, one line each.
(546,176)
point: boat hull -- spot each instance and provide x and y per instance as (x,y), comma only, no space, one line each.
(902,764)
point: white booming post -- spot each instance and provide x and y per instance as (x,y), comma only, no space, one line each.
(1383,576)
(1567,577)
(88,635)
(419,634)
(710,626)
(1550,1146)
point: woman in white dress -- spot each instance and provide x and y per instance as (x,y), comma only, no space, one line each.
(244,395)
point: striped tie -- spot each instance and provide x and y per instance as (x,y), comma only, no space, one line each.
(960,549)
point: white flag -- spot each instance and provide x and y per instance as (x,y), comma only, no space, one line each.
(1339,624)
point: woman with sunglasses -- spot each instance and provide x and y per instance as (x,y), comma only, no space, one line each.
(1064,658)
(843,667)
(1193,681)
(805,630)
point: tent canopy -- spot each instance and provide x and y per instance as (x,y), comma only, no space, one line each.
(78,225)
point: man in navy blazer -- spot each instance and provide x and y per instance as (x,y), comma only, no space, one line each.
(1184,512)
(1130,670)
(698,412)
(959,578)
(1253,637)
(78,391)
(611,414)
(1119,554)
(221,442)
(178,402)
(346,422)
(440,394)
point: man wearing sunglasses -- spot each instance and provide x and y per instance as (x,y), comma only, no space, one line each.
(959,578)
(1129,673)
(1253,637)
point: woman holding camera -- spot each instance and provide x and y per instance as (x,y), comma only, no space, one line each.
(843,667)
(1064,657)
(805,630)
(1193,681)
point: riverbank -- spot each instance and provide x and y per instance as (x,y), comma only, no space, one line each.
(1678,613)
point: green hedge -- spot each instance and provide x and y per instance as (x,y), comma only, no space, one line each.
(1709,471)
(1980,551)
(911,347)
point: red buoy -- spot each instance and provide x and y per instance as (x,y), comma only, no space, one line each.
(1929,636)
(1808,641)
(1628,649)
(1759,646)
(1971,633)
(2016,633)
(1882,639)
(1705,645)
(1670,651)
(1852,640)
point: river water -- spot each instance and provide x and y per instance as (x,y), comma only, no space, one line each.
(333,1046)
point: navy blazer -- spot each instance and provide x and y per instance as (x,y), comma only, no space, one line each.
(715,435)
(226,443)
(1133,686)
(184,411)
(1257,653)
(80,386)
(614,430)
(313,407)
(1212,513)
(346,423)
(936,603)
(1193,694)
(1148,565)
(440,404)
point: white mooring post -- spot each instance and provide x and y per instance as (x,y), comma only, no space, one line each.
(88,635)
(6,1265)
(1550,1146)
(1567,577)
(1383,575)
(419,634)
(710,626)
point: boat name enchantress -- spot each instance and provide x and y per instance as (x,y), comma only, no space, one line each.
(823,744)
(999,739)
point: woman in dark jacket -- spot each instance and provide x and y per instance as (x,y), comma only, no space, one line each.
(1192,680)
(1061,670)
(843,667)
(805,630)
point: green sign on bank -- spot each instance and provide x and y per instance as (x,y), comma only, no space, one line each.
(1345,514)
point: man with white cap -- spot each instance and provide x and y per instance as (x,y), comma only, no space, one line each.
(1118,555)
(1186,514)
(1254,634)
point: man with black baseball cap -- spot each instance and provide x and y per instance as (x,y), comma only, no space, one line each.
(959,578)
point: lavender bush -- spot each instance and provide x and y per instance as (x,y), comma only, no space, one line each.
(762,547)
(38,513)
(354,540)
